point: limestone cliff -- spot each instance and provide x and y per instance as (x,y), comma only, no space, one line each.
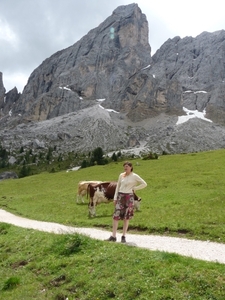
(96,67)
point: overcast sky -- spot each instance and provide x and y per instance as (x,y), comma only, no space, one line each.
(33,30)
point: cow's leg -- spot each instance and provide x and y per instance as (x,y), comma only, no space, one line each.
(94,211)
(94,206)
(79,197)
(91,208)
(82,194)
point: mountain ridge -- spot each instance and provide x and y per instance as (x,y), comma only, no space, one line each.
(59,106)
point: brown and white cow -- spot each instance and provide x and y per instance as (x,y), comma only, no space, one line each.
(104,193)
(82,189)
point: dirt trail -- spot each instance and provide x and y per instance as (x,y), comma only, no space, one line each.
(204,250)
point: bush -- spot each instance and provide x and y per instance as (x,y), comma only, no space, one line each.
(25,171)
(114,157)
(150,155)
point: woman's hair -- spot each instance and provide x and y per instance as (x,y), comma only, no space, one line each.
(129,164)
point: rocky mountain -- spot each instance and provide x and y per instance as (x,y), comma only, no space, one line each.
(106,90)
(197,64)
(95,67)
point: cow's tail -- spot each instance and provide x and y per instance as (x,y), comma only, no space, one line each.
(88,192)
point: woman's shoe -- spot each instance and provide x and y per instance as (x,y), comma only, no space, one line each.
(123,239)
(111,239)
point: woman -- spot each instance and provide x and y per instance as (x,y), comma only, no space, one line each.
(128,183)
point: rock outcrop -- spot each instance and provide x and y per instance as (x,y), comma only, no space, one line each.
(8,175)
(2,95)
(10,100)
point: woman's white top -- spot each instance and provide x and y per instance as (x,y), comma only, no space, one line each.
(129,184)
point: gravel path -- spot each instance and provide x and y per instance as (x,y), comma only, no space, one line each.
(204,250)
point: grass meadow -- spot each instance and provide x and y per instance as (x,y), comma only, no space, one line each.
(185,197)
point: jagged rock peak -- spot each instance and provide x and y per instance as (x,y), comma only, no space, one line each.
(1,83)
(95,67)
(2,93)
(126,10)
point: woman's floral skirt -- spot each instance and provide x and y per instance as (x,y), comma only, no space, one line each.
(124,208)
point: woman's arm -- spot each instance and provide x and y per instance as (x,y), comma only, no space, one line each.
(117,188)
(140,183)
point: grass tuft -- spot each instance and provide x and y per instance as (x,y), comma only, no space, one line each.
(11,283)
(69,244)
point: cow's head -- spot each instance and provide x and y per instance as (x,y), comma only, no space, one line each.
(91,209)
(137,204)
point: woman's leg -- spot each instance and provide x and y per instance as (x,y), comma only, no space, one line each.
(115,226)
(125,226)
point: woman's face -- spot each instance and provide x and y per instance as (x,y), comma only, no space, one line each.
(127,168)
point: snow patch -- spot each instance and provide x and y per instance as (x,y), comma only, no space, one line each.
(146,67)
(197,92)
(108,109)
(190,114)
(65,88)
